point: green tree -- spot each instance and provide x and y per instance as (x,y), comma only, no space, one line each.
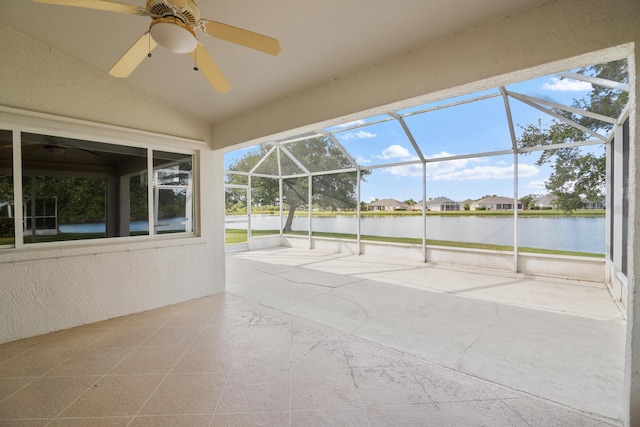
(577,174)
(526,200)
(331,191)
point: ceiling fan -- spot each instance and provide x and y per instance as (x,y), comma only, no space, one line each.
(173,26)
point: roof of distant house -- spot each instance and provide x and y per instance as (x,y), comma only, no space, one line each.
(545,200)
(494,199)
(389,202)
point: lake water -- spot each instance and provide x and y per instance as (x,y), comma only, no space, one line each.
(172,224)
(580,234)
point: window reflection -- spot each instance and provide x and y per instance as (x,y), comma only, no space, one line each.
(77,189)
(173,192)
(7,210)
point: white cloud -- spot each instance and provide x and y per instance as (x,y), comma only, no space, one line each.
(361,160)
(485,172)
(359,135)
(406,170)
(349,124)
(463,169)
(536,185)
(395,152)
(566,85)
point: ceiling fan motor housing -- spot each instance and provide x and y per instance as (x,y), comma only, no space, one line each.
(190,14)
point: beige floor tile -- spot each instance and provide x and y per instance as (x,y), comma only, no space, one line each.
(171,421)
(266,419)
(171,337)
(337,417)
(157,360)
(205,359)
(389,386)
(151,319)
(274,356)
(10,385)
(34,363)
(29,342)
(190,318)
(9,354)
(75,338)
(124,337)
(406,416)
(186,394)
(109,323)
(256,390)
(25,423)
(91,422)
(312,389)
(114,396)
(45,397)
(265,335)
(222,335)
(90,361)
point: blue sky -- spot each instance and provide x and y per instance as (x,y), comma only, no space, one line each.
(469,128)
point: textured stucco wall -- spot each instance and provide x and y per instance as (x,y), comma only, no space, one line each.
(35,77)
(46,288)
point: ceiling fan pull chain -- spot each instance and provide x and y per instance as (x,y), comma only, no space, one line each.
(195,60)
(149,54)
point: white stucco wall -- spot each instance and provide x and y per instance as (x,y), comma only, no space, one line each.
(46,287)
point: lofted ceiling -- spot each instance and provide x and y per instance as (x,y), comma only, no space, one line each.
(320,40)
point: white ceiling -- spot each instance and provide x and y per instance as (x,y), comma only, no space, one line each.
(320,40)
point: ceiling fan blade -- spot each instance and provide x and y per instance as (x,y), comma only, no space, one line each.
(208,67)
(178,3)
(133,57)
(242,37)
(109,6)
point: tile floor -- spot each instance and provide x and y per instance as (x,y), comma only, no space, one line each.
(225,361)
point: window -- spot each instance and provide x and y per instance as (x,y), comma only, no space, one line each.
(74,189)
(7,210)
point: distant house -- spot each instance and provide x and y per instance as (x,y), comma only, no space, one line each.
(442,204)
(494,203)
(387,205)
(468,202)
(587,204)
(545,202)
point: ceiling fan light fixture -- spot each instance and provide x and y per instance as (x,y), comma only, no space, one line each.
(173,34)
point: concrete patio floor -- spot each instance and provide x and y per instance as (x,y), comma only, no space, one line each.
(558,340)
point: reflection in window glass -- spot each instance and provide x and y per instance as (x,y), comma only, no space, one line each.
(138,223)
(77,189)
(173,192)
(63,208)
(7,210)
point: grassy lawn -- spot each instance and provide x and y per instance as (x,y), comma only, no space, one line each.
(238,236)
(234,235)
